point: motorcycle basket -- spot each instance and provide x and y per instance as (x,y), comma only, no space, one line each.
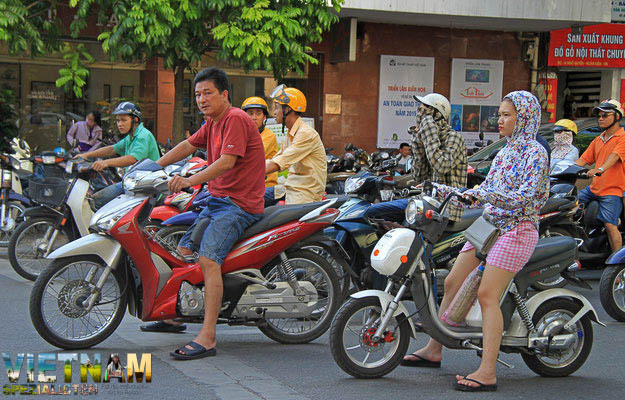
(49,191)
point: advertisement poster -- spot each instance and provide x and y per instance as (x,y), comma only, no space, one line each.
(597,46)
(550,83)
(401,78)
(476,91)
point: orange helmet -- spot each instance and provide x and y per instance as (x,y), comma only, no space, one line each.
(289,96)
(255,102)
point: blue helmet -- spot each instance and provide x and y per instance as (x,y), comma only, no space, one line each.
(59,151)
(126,107)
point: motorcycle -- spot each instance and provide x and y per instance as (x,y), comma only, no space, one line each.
(551,330)
(62,215)
(269,280)
(612,285)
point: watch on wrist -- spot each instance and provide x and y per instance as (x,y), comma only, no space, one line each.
(601,169)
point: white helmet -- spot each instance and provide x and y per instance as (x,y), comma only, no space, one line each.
(438,101)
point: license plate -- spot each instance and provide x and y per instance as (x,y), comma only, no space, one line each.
(386,195)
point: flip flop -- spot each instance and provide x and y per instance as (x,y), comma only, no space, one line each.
(420,362)
(198,351)
(480,388)
(162,326)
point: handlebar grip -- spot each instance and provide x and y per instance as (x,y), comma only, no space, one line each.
(188,190)
(462,199)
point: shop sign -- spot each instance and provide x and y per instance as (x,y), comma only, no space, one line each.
(618,11)
(597,46)
(551,91)
(401,78)
(476,87)
(42,95)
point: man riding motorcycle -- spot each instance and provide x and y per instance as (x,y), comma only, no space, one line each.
(302,153)
(139,143)
(607,152)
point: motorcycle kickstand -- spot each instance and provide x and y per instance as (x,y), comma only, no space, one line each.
(468,345)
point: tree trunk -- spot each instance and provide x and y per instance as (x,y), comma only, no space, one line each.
(178,133)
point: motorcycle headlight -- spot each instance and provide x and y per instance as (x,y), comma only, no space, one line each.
(48,159)
(414,211)
(353,184)
(107,221)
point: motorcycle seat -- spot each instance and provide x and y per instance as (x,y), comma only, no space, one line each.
(279,215)
(554,204)
(549,247)
(468,217)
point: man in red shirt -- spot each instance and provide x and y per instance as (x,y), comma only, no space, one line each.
(236,182)
(607,153)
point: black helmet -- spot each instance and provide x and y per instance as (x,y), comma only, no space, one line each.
(126,107)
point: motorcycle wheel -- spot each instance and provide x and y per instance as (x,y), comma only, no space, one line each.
(172,234)
(15,211)
(307,266)
(343,276)
(351,345)
(612,292)
(549,320)
(56,299)
(557,281)
(25,247)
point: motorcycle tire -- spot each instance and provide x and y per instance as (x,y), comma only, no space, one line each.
(18,216)
(18,263)
(549,311)
(37,313)
(299,337)
(339,347)
(172,234)
(345,280)
(557,281)
(612,292)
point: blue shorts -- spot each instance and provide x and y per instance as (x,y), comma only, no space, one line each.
(270,197)
(228,221)
(610,207)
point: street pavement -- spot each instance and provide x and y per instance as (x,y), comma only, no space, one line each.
(250,366)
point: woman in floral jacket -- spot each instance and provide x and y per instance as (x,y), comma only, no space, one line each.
(515,189)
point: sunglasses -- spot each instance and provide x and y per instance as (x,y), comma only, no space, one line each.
(603,115)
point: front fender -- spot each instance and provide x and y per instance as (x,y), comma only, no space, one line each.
(19,197)
(385,300)
(105,247)
(616,258)
(517,327)
(42,212)
(186,218)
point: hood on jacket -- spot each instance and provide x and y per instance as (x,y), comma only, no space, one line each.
(528,115)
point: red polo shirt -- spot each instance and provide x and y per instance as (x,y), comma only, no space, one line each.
(235,134)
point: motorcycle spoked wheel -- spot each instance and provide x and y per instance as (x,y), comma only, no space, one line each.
(25,254)
(56,303)
(549,320)
(345,280)
(307,266)
(16,210)
(612,292)
(351,344)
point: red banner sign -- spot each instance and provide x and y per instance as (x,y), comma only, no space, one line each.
(551,91)
(597,46)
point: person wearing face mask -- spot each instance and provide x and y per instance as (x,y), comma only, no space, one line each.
(563,132)
(516,187)
(257,109)
(88,133)
(137,144)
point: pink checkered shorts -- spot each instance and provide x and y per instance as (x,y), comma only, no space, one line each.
(513,249)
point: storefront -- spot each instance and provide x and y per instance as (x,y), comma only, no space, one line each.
(586,66)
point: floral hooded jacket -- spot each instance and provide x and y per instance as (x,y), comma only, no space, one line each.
(517,185)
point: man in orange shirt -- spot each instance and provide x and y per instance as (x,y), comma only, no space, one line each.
(607,152)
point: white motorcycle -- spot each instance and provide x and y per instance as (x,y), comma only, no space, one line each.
(551,330)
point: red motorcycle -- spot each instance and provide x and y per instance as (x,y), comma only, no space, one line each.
(270,279)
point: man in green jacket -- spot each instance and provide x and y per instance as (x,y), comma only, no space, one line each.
(139,143)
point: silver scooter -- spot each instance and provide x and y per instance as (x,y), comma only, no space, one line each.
(551,330)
